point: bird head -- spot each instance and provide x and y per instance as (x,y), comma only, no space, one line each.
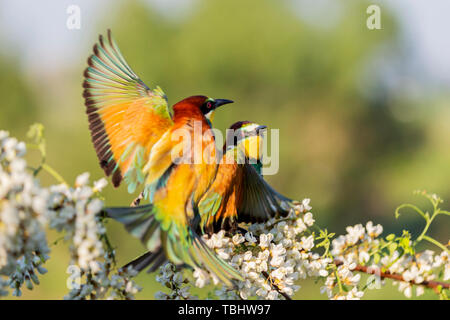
(210,104)
(205,104)
(248,138)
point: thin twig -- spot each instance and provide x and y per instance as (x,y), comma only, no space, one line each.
(266,275)
(395,276)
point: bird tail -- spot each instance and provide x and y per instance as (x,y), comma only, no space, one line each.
(140,222)
(206,257)
(198,255)
(151,259)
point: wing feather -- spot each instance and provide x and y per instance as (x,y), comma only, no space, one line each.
(126,118)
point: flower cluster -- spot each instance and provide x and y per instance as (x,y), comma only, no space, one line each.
(419,268)
(362,246)
(26,209)
(23,244)
(271,256)
(76,212)
(274,256)
(173,279)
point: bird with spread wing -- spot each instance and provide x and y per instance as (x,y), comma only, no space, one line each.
(133,134)
(237,195)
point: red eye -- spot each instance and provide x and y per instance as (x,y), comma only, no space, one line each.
(208,104)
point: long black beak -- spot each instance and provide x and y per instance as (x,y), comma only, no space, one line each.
(221,102)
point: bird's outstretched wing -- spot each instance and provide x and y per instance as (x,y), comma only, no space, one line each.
(240,194)
(260,201)
(126,117)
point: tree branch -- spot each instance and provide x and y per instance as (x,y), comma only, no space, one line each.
(359,268)
(394,276)
(273,285)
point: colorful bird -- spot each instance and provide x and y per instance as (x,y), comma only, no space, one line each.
(238,193)
(133,134)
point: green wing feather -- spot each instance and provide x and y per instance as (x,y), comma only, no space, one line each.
(179,245)
(210,204)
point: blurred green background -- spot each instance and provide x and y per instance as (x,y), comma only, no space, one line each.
(363,122)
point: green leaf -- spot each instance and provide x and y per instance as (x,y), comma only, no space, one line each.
(376,258)
(390,237)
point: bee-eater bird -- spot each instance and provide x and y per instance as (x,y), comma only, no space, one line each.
(238,194)
(133,134)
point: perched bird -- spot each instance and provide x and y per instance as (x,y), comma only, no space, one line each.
(237,194)
(133,134)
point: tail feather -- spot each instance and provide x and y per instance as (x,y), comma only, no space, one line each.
(128,215)
(140,222)
(179,247)
(150,259)
(197,254)
(160,259)
(213,263)
(141,262)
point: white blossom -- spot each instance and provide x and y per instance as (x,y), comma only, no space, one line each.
(373,231)
(100,184)
(23,243)
(26,209)
(272,257)
(308,218)
(278,254)
(171,278)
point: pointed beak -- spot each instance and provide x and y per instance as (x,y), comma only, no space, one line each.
(221,102)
